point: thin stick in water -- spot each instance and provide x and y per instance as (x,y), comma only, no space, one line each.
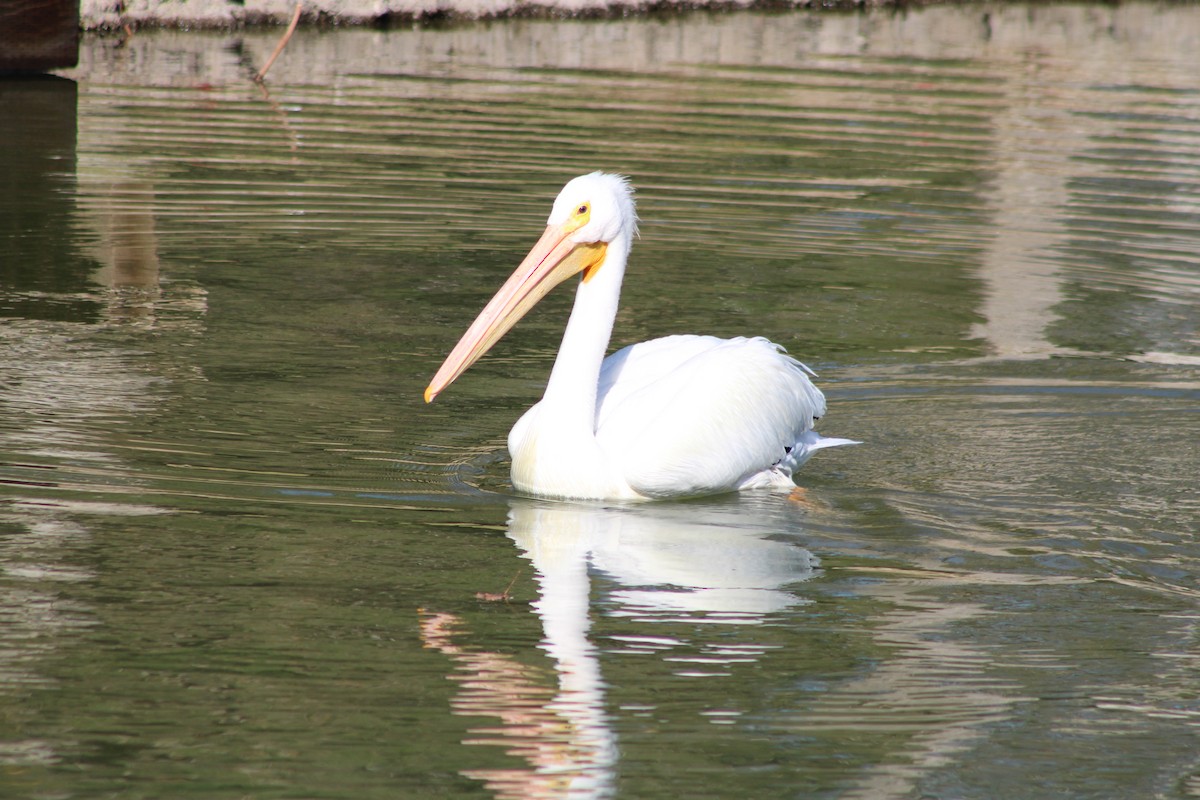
(262,73)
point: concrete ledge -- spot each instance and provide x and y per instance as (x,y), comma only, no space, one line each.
(111,14)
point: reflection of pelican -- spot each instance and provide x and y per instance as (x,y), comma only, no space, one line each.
(706,561)
(682,415)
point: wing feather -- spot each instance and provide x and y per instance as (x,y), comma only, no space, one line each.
(698,414)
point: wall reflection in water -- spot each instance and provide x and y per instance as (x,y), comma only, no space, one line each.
(77,257)
(702,563)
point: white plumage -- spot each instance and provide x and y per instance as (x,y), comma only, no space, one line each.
(677,416)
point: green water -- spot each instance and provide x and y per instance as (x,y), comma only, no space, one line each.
(240,557)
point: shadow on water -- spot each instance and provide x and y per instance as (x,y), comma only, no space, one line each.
(39,189)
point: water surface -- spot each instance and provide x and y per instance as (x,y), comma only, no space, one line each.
(240,556)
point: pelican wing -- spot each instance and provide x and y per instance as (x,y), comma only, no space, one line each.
(698,414)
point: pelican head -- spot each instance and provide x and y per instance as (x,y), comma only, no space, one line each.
(600,204)
(590,213)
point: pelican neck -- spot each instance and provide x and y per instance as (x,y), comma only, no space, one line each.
(575,377)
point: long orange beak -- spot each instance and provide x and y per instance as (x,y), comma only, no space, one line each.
(551,261)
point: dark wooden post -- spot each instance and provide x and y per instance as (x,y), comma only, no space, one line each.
(37,35)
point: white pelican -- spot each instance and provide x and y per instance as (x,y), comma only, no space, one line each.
(677,416)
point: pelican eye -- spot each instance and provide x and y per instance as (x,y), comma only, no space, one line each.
(580,217)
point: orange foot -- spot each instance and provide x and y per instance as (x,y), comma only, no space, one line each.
(800,497)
